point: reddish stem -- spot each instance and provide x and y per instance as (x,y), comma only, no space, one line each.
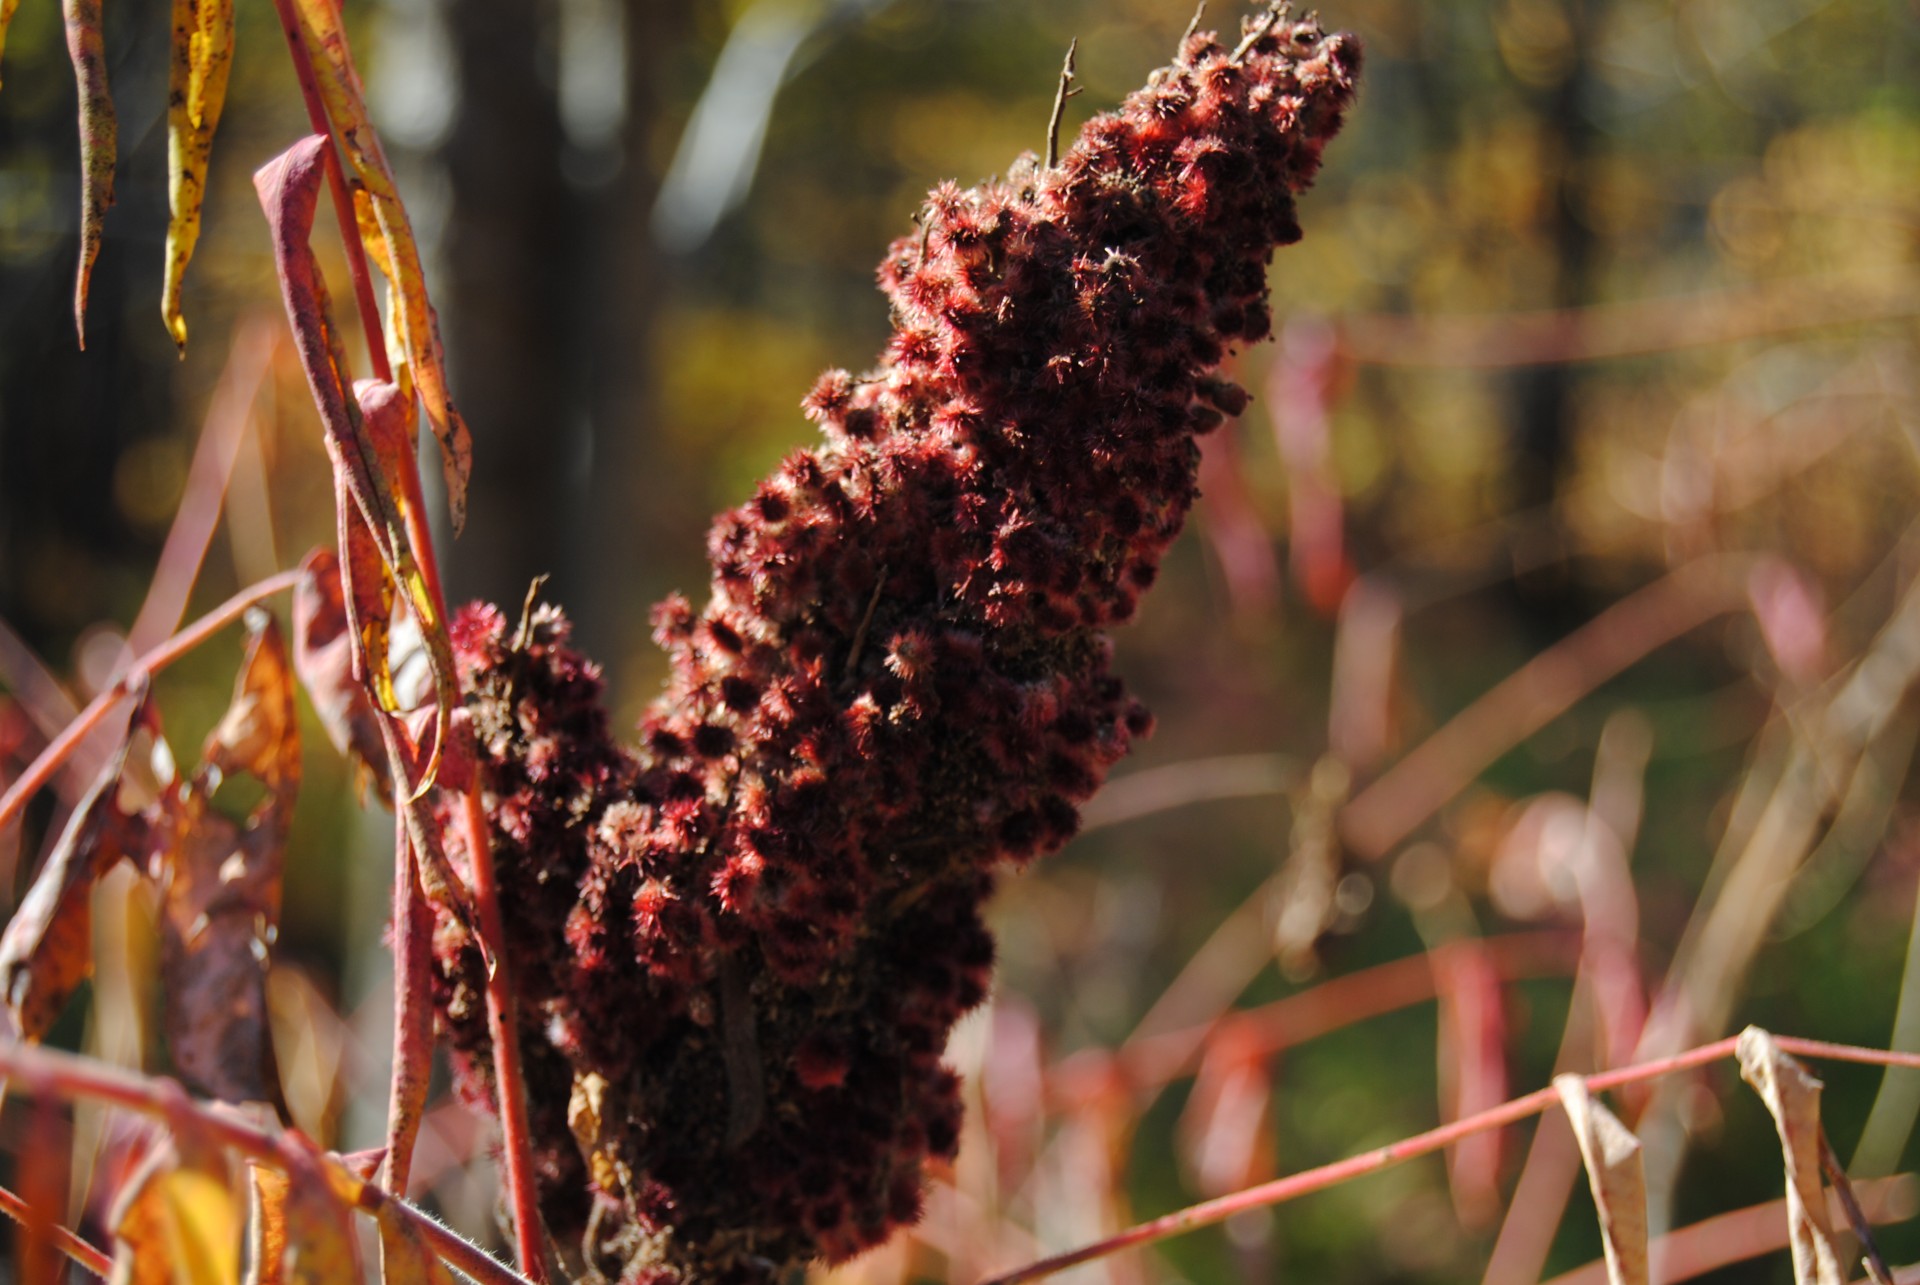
(41,770)
(412,1014)
(1541,690)
(1296,1185)
(78,1079)
(502,1030)
(80,1251)
(342,199)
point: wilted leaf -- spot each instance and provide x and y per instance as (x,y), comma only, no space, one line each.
(1616,1176)
(405,1256)
(259,733)
(394,248)
(321,1248)
(323,657)
(196,91)
(1793,1097)
(99,142)
(176,1224)
(289,188)
(46,950)
(220,884)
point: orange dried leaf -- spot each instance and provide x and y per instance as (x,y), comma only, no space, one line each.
(46,951)
(221,884)
(99,142)
(405,1257)
(176,1224)
(321,1248)
(397,252)
(1616,1176)
(196,92)
(323,657)
(1793,1098)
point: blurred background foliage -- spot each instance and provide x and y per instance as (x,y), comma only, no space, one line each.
(1591,289)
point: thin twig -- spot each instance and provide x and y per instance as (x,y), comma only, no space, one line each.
(1603,332)
(80,1251)
(866,623)
(80,1079)
(1877,1270)
(41,770)
(1060,104)
(1193,25)
(1275,14)
(1296,1185)
(503,1031)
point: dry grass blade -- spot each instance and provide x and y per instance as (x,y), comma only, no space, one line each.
(1793,1098)
(1615,1175)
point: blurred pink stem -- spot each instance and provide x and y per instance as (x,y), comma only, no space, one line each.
(1419,785)
(80,1251)
(1292,1187)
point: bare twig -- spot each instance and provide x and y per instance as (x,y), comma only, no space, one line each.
(1193,24)
(43,768)
(1060,104)
(80,1251)
(79,1079)
(1276,13)
(1293,1186)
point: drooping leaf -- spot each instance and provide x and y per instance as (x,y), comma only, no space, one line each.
(46,951)
(1793,1098)
(177,1223)
(289,188)
(99,142)
(323,655)
(196,92)
(326,43)
(220,884)
(1616,1176)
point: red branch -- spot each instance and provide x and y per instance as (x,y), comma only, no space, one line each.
(41,770)
(78,1079)
(1296,1185)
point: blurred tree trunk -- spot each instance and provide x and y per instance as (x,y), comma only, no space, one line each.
(552,285)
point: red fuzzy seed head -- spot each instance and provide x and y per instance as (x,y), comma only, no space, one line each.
(898,689)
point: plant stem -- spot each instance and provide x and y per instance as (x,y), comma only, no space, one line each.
(41,770)
(80,1251)
(503,1032)
(412,1014)
(342,199)
(1296,1185)
(78,1079)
